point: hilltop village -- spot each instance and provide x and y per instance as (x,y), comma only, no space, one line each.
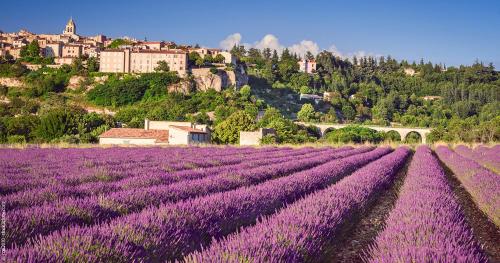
(89,89)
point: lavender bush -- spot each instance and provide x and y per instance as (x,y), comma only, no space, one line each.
(482,184)
(302,231)
(173,230)
(426,224)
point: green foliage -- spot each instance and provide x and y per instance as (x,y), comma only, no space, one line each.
(92,64)
(354,134)
(57,123)
(119,42)
(286,130)
(245,92)
(23,125)
(214,70)
(306,113)
(219,58)
(16,69)
(268,139)
(119,92)
(228,131)
(16,139)
(162,66)
(305,90)
(413,137)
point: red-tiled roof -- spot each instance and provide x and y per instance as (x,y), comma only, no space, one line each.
(159,135)
(188,129)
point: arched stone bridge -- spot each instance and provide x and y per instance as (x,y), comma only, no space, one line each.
(402,131)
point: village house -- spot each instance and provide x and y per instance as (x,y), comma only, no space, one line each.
(142,61)
(307,66)
(158,133)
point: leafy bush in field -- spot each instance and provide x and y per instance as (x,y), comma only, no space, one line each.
(355,134)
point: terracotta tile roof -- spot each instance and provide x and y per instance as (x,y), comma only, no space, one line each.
(188,129)
(159,135)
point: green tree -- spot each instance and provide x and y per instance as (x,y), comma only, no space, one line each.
(348,112)
(306,113)
(55,124)
(219,58)
(228,131)
(162,66)
(92,64)
(245,92)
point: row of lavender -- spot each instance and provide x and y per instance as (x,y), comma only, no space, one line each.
(488,157)
(37,168)
(56,192)
(482,184)
(173,230)
(305,229)
(426,224)
(29,222)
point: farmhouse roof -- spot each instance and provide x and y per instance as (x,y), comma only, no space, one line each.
(159,135)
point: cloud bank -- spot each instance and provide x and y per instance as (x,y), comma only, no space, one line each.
(301,48)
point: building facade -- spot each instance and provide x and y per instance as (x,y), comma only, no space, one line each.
(142,61)
(307,66)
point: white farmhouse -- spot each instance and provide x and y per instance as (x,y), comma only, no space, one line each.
(158,133)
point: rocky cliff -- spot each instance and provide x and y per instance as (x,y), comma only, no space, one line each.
(202,79)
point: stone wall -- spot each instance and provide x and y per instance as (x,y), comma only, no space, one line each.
(11,82)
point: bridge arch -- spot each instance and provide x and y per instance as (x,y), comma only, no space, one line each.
(413,137)
(402,131)
(393,136)
(327,130)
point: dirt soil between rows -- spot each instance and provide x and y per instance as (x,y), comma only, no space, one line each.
(352,242)
(485,231)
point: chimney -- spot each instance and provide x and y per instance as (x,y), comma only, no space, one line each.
(146,124)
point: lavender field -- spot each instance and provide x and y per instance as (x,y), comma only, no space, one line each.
(237,204)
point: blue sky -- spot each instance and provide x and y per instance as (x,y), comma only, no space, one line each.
(450,32)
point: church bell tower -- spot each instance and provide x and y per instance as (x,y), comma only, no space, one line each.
(70,28)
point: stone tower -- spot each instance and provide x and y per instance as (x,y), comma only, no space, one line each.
(70,28)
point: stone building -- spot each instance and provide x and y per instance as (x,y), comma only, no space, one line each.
(142,61)
(307,66)
(158,133)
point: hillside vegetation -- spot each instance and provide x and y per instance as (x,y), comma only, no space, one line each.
(464,107)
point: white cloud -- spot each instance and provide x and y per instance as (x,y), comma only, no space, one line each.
(269,41)
(304,46)
(301,48)
(230,41)
(334,51)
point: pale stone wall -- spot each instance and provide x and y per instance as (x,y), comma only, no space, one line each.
(53,50)
(253,138)
(250,138)
(125,61)
(112,61)
(177,136)
(73,51)
(11,82)
(144,62)
(164,125)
